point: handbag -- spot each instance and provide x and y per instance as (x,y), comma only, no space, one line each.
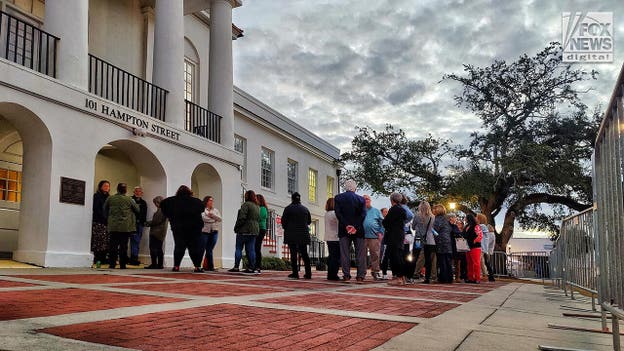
(462,245)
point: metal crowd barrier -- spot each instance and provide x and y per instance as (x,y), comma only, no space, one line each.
(609,211)
(588,254)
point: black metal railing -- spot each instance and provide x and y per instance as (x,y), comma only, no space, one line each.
(115,84)
(202,122)
(27,45)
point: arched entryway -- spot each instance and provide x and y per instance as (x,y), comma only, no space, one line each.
(206,181)
(25,168)
(126,161)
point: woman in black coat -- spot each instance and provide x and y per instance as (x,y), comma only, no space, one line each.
(184,212)
(295,221)
(99,235)
(394,236)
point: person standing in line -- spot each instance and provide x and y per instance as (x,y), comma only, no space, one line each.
(331,238)
(473,257)
(394,235)
(444,244)
(486,267)
(121,211)
(264,214)
(210,232)
(457,226)
(382,252)
(421,224)
(157,234)
(247,228)
(350,210)
(99,235)
(373,233)
(429,252)
(135,238)
(184,213)
(296,220)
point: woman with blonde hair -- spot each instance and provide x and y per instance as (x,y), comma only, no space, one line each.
(422,225)
(488,239)
(444,244)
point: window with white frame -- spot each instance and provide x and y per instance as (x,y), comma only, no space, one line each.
(312,184)
(292,176)
(330,187)
(266,168)
(240,146)
(189,80)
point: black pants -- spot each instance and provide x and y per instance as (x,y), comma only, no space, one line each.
(445,267)
(430,250)
(258,247)
(488,265)
(118,247)
(156,252)
(182,242)
(396,255)
(410,266)
(302,250)
(333,261)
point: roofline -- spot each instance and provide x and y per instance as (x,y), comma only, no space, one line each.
(283,123)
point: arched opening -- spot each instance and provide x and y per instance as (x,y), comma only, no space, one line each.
(206,181)
(125,161)
(25,169)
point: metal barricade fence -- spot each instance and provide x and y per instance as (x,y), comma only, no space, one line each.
(529,265)
(609,210)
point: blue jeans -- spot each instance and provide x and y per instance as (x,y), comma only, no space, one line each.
(135,241)
(210,240)
(249,241)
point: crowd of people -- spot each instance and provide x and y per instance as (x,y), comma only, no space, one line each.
(448,249)
(397,238)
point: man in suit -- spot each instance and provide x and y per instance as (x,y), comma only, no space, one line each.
(350,210)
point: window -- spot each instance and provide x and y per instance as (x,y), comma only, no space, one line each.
(330,187)
(189,80)
(31,7)
(10,185)
(292,176)
(266,167)
(314,227)
(240,145)
(312,182)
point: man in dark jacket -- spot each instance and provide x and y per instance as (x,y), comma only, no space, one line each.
(350,210)
(295,221)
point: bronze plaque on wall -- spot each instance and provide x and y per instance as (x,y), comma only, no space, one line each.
(72,191)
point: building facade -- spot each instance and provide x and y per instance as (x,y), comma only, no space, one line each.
(141,92)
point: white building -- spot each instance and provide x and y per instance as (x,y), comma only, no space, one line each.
(141,92)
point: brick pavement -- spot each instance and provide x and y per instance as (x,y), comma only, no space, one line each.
(221,311)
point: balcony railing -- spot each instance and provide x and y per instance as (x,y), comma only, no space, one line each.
(115,84)
(203,122)
(27,45)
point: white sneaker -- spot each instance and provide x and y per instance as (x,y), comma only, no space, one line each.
(385,277)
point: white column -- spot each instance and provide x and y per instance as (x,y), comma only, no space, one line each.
(220,80)
(148,49)
(69,20)
(169,57)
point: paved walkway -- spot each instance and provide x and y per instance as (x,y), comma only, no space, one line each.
(89,309)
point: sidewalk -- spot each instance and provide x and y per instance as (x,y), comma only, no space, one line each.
(88,309)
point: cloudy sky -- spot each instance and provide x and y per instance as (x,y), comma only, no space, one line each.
(334,65)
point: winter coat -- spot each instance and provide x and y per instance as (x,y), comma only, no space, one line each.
(142,216)
(264,215)
(443,239)
(422,227)
(247,221)
(295,221)
(394,226)
(158,225)
(471,235)
(122,211)
(211,224)
(350,209)
(99,216)
(184,213)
